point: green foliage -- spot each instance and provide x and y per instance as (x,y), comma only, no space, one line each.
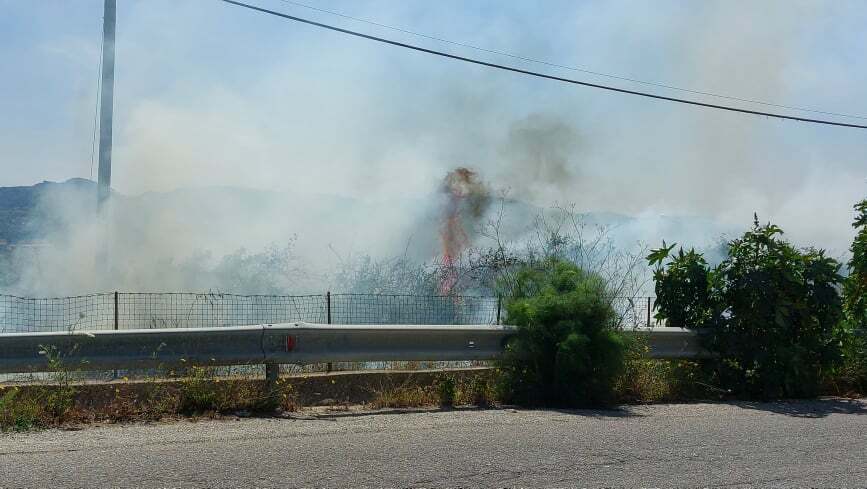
(58,401)
(201,392)
(649,380)
(771,312)
(566,350)
(446,389)
(855,287)
(480,392)
(683,288)
(853,372)
(18,413)
(198,392)
(850,378)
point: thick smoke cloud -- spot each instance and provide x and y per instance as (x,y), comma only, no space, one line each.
(303,142)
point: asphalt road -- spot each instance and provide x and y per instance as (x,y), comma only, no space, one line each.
(818,443)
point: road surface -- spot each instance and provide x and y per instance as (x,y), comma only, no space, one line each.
(816,443)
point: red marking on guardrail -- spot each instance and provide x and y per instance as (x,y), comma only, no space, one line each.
(290,343)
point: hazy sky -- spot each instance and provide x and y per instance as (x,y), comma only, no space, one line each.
(211,94)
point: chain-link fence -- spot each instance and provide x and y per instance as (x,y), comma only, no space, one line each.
(122,310)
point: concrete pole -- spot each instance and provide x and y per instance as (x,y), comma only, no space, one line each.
(106,102)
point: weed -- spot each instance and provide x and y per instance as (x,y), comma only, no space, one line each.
(198,393)
(17,412)
(647,380)
(446,390)
(59,400)
(403,397)
(481,392)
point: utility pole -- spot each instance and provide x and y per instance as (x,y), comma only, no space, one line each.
(106,101)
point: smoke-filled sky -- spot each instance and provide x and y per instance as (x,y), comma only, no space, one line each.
(208,94)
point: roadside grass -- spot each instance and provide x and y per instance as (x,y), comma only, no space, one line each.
(446,389)
(197,395)
(200,392)
(647,380)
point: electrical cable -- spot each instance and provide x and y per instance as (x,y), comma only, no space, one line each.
(542,75)
(566,67)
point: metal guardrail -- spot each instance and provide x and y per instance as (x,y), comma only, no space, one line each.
(672,343)
(292,343)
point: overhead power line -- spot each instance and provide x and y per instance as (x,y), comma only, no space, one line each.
(541,75)
(566,67)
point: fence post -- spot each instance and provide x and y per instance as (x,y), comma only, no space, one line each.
(648,312)
(328,366)
(115,322)
(499,304)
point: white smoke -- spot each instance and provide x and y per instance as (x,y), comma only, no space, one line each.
(324,147)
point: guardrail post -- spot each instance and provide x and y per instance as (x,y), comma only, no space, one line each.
(328,366)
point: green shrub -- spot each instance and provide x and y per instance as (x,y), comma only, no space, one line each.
(566,350)
(446,389)
(855,287)
(853,372)
(769,311)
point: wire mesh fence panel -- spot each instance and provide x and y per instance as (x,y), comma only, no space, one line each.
(88,312)
(187,310)
(634,312)
(196,310)
(411,309)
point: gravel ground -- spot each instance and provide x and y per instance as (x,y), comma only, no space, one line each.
(794,444)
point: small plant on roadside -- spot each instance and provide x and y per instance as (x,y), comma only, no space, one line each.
(17,412)
(403,397)
(198,393)
(446,389)
(480,391)
(649,380)
(59,399)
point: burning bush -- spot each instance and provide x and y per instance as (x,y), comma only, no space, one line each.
(467,199)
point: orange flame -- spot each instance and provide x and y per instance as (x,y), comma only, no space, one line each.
(466,195)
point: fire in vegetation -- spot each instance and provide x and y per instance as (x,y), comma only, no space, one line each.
(467,199)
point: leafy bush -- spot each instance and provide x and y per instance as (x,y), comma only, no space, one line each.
(855,287)
(566,350)
(770,312)
(853,372)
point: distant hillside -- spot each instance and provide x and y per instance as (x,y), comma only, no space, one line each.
(19,206)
